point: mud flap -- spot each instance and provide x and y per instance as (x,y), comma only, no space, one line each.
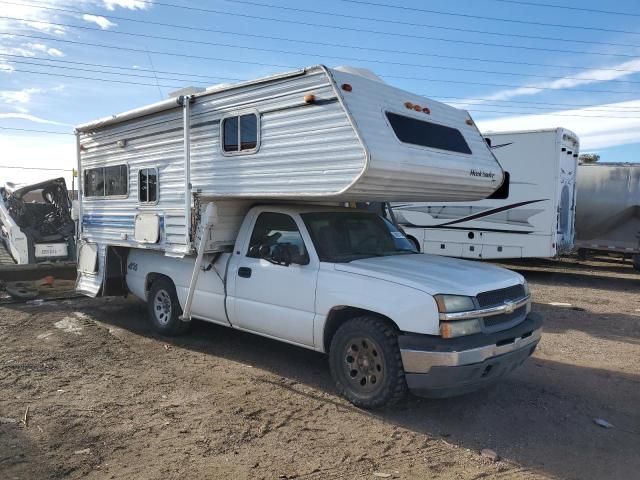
(91,267)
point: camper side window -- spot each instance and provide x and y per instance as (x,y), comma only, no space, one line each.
(427,134)
(240,133)
(106,181)
(148,185)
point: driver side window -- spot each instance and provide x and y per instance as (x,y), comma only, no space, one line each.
(272,229)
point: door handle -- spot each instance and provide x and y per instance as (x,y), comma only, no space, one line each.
(244,272)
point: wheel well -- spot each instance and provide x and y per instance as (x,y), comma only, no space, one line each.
(338,315)
(415,242)
(152,277)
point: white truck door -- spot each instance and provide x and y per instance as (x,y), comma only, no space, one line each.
(275,299)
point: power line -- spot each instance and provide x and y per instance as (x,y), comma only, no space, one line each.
(567,7)
(36,168)
(446,81)
(119,67)
(414,24)
(36,131)
(477,17)
(184,55)
(620,109)
(326,44)
(438,67)
(397,34)
(97,79)
(520,114)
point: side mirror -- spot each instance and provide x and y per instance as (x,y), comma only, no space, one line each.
(264,251)
(281,255)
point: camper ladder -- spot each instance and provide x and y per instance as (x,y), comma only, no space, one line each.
(210,217)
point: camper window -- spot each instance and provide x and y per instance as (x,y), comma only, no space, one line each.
(106,181)
(427,134)
(240,133)
(148,185)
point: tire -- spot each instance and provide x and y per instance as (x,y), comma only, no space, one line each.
(164,309)
(365,363)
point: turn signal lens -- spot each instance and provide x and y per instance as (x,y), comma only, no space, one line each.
(460,328)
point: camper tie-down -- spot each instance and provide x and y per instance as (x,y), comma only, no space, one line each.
(231,206)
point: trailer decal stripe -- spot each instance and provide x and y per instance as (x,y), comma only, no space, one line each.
(490,212)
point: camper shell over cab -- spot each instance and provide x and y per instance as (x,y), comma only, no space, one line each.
(206,206)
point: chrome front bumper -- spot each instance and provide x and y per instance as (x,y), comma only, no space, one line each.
(421,361)
(436,367)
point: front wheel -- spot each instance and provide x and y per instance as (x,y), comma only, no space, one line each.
(164,308)
(365,362)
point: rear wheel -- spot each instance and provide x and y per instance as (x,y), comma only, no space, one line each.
(365,362)
(164,308)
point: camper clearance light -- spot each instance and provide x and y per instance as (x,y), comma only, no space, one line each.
(346,87)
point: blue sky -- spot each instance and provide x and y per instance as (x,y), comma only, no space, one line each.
(581,78)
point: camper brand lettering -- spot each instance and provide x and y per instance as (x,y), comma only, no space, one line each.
(481,173)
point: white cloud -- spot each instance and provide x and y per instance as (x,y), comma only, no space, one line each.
(12,97)
(41,47)
(30,118)
(102,22)
(37,151)
(587,77)
(6,67)
(596,129)
(128,4)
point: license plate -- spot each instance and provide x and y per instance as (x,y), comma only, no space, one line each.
(51,250)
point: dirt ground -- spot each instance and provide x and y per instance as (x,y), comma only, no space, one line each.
(108,398)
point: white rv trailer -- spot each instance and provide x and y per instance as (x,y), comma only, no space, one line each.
(531,215)
(194,205)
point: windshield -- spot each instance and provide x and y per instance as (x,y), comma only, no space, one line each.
(352,235)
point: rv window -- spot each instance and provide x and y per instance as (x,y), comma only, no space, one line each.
(94,182)
(427,134)
(115,180)
(502,192)
(106,181)
(148,185)
(240,133)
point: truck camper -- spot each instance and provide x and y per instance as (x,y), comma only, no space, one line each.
(233,206)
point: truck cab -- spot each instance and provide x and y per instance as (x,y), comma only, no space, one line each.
(348,283)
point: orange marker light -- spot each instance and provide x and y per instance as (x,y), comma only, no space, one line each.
(417,108)
(426,110)
(346,87)
(469,121)
(408,104)
(309,98)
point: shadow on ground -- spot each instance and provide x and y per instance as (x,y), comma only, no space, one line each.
(540,417)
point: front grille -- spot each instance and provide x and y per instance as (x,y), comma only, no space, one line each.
(504,318)
(498,297)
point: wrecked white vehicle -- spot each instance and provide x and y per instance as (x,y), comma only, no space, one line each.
(35,222)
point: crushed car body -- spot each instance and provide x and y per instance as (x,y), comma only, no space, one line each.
(36,223)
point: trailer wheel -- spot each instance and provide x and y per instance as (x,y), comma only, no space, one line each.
(365,363)
(164,308)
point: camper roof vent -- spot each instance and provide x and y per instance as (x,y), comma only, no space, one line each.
(363,72)
(186,91)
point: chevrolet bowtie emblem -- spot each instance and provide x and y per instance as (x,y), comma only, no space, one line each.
(509,307)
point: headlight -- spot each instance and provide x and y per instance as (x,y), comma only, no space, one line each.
(454,303)
(460,328)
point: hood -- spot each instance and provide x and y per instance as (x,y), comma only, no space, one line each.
(434,274)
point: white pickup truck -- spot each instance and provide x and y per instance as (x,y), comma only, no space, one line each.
(346,282)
